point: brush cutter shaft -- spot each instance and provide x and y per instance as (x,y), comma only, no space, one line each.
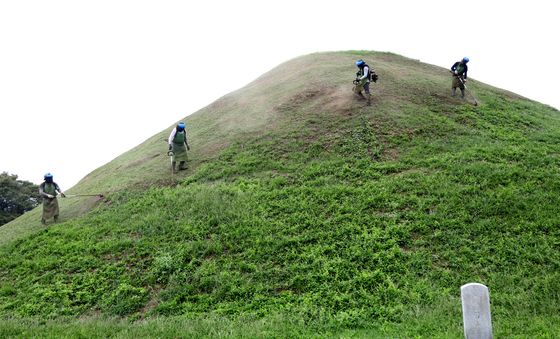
(464,86)
(84,195)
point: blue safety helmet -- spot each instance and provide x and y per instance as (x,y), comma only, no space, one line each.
(465,59)
(48,175)
(181,126)
(360,63)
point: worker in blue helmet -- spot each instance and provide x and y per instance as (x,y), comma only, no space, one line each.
(178,147)
(364,76)
(459,74)
(48,191)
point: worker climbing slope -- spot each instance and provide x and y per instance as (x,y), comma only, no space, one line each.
(459,74)
(178,146)
(49,190)
(363,78)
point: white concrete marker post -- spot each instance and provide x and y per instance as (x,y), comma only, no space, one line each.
(476,311)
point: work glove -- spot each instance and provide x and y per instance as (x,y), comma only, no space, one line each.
(62,194)
(50,196)
(170,147)
(188,147)
(170,153)
(455,72)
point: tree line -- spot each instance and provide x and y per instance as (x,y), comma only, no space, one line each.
(16,197)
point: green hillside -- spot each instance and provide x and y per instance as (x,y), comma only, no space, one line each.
(306,213)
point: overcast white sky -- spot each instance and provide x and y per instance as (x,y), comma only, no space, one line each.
(84,81)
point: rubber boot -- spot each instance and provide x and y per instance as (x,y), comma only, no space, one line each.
(173,165)
(56,218)
(462,93)
(368,97)
(182,166)
(43,222)
(453,91)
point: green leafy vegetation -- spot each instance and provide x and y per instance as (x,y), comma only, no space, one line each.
(331,219)
(16,197)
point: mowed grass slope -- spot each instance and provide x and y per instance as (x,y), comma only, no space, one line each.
(305,213)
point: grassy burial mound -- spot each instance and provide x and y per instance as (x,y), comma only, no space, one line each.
(305,212)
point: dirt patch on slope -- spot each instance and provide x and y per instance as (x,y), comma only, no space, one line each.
(141,161)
